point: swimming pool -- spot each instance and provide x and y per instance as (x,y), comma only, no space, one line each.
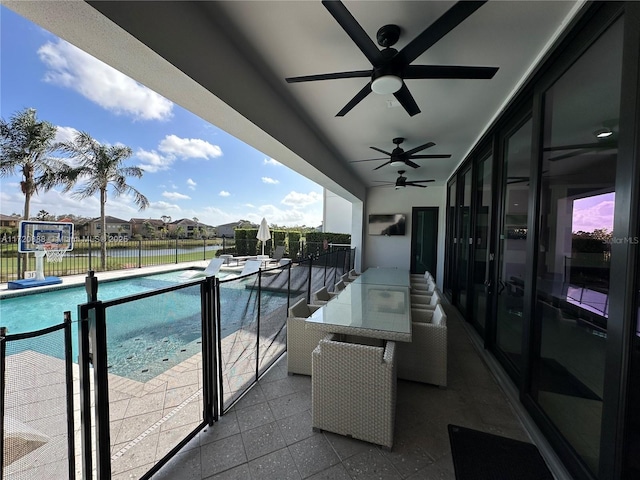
(147,336)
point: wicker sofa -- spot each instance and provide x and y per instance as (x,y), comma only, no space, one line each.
(353,389)
(425,358)
(301,340)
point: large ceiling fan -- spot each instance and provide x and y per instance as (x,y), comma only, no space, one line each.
(402,182)
(392,67)
(399,156)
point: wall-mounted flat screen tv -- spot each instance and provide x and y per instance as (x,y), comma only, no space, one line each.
(387,224)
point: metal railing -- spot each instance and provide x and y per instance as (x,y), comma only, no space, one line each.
(167,361)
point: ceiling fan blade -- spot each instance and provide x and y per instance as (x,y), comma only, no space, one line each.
(421,181)
(438,29)
(330,76)
(413,184)
(448,71)
(421,147)
(361,95)
(380,150)
(594,145)
(354,30)
(406,100)
(380,166)
(434,155)
(411,164)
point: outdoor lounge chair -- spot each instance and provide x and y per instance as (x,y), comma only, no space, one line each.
(345,278)
(425,358)
(322,296)
(20,439)
(353,389)
(340,286)
(301,340)
(212,269)
(277,255)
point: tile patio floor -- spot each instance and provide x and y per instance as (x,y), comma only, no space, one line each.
(268,434)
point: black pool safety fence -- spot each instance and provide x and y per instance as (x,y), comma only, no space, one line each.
(148,371)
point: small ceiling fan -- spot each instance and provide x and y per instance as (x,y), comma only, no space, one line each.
(402,182)
(392,67)
(399,156)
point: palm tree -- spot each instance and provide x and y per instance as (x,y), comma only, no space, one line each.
(25,146)
(101,166)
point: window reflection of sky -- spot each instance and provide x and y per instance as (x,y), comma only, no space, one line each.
(594,212)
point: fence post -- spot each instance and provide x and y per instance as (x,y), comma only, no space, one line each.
(3,346)
(68,363)
(309,281)
(139,253)
(176,249)
(258,325)
(204,248)
(98,336)
(90,254)
(91,286)
(84,361)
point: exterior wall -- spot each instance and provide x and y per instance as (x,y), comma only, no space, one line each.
(395,251)
(336,214)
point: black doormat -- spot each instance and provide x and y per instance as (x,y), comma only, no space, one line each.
(483,456)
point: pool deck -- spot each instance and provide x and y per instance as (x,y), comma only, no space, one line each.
(74,280)
(147,418)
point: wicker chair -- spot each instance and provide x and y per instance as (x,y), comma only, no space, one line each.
(427,302)
(427,286)
(346,279)
(301,340)
(425,358)
(418,278)
(322,296)
(353,389)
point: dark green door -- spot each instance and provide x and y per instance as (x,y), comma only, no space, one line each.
(424,240)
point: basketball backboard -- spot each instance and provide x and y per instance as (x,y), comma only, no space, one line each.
(34,235)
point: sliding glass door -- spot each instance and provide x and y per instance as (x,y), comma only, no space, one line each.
(480,280)
(464,241)
(511,260)
(577,195)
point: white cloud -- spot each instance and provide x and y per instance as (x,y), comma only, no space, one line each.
(176,196)
(65,134)
(152,161)
(269,180)
(184,148)
(224,193)
(192,184)
(295,199)
(70,67)
(173,147)
(271,161)
(162,206)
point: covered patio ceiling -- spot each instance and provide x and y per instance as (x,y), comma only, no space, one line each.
(227,62)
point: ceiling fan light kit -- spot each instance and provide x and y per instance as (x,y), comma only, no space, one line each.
(386,84)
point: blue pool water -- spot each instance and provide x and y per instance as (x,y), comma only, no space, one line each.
(145,337)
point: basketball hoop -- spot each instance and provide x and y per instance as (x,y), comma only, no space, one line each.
(53,253)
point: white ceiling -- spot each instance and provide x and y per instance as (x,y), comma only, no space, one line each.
(241,51)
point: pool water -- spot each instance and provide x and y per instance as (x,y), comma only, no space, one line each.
(145,337)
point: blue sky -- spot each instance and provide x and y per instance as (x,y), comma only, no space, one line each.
(192,168)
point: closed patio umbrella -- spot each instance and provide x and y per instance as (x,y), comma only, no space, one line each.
(263,233)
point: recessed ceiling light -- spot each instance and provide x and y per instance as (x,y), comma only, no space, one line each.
(603,132)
